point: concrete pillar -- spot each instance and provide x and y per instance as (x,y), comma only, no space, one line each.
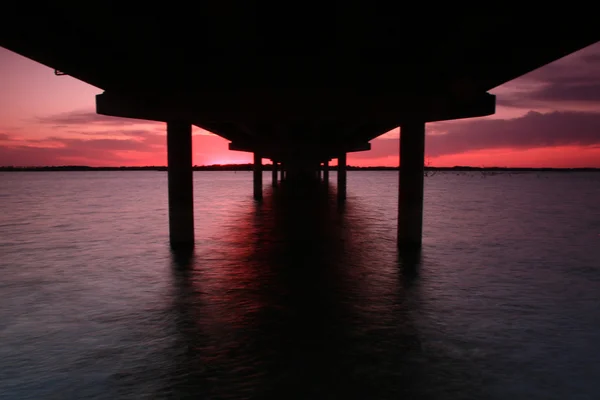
(326,171)
(181,187)
(257,176)
(410,198)
(341,178)
(274,174)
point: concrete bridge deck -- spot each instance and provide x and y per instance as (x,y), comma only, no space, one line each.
(299,87)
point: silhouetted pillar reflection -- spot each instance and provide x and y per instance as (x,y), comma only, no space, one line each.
(326,171)
(257,176)
(274,174)
(180,176)
(341,178)
(410,196)
(182,257)
(409,261)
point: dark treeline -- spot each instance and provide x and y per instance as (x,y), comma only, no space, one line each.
(267,167)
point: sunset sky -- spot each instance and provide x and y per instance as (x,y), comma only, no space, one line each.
(547,118)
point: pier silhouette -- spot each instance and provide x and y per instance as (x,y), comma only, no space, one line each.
(302,89)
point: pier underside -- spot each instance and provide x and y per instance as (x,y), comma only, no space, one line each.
(299,90)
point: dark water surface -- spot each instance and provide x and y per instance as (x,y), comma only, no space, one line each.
(297,298)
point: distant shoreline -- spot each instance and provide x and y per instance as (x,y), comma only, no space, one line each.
(248,167)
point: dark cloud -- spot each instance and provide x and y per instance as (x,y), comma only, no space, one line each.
(106,133)
(565,73)
(513,101)
(569,92)
(104,144)
(87,118)
(575,78)
(554,93)
(22,155)
(592,58)
(534,130)
(132,133)
(56,150)
(128,139)
(137,147)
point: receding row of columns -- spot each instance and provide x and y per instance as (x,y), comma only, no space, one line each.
(410,188)
(258,172)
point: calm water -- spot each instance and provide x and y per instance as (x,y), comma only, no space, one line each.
(297,298)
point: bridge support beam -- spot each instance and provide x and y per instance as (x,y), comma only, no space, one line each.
(274,174)
(410,196)
(341,177)
(181,191)
(257,176)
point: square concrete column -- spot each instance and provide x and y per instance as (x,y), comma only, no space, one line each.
(410,196)
(326,171)
(181,191)
(274,174)
(257,176)
(341,177)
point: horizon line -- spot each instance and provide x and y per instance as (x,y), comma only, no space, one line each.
(269,167)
